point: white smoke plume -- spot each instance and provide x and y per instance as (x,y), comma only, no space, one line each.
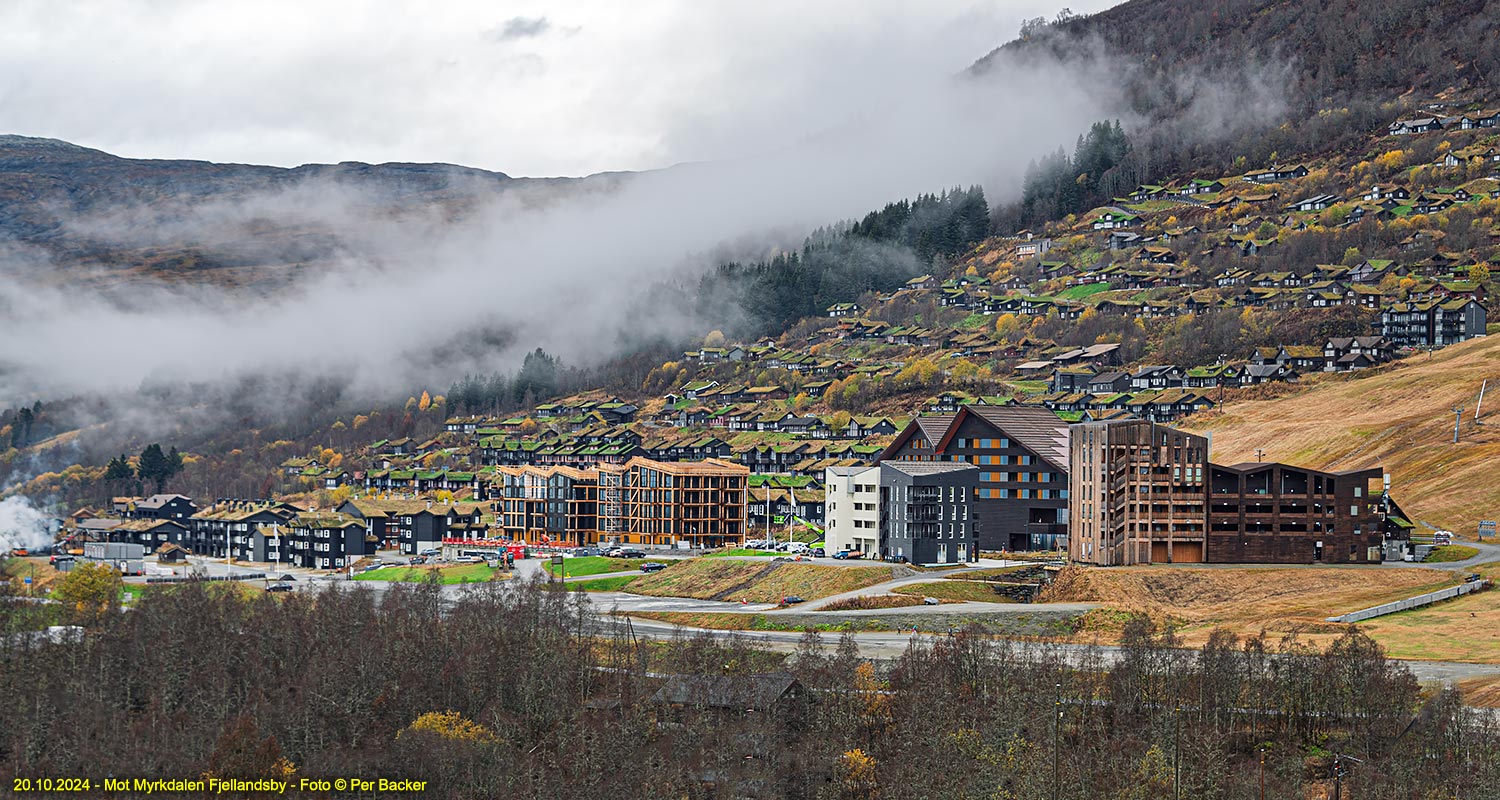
(22,525)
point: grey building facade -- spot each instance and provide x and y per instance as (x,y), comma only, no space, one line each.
(1021,452)
(925,514)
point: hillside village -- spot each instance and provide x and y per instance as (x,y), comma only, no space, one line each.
(1275,275)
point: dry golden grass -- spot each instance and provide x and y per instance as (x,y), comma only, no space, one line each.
(956,591)
(18,569)
(1396,417)
(1463,629)
(1481,692)
(1246,600)
(755,581)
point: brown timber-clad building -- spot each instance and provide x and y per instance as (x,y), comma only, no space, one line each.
(1276,513)
(1144,493)
(1137,494)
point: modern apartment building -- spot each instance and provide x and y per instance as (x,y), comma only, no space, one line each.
(925,512)
(547,505)
(851,509)
(1137,492)
(1020,500)
(1146,494)
(1277,513)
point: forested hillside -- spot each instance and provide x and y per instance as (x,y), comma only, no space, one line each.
(1302,77)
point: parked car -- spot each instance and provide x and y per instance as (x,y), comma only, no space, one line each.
(418,560)
(632,553)
(930,601)
(817,552)
(429,552)
(615,552)
(653,566)
(896,559)
(279,587)
(586,551)
(287,576)
(791,600)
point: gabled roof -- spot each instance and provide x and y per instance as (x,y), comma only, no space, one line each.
(1036,429)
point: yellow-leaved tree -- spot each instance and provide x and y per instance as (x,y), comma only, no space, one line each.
(857,779)
(449,725)
(89,592)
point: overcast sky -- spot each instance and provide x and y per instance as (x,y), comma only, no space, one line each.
(521,86)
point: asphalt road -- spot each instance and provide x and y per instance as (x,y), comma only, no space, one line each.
(888,645)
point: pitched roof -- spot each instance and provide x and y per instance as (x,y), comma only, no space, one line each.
(928,467)
(1037,429)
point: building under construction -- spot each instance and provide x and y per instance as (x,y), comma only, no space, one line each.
(697,504)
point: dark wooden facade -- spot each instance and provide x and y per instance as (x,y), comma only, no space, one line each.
(1279,514)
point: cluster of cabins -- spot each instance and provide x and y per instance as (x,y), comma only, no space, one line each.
(1429,123)
(697,504)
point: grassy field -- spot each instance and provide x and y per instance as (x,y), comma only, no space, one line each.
(18,569)
(1246,600)
(999,573)
(616,584)
(870,601)
(592,565)
(1397,418)
(1451,552)
(741,551)
(1463,629)
(756,581)
(956,591)
(1044,624)
(1081,291)
(1481,692)
(456,573)
(1029,387)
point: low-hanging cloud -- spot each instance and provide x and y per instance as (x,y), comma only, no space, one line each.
(520,28)
(561,274)
(418,298)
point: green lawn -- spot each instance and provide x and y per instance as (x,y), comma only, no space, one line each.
(1081,291)
(1030,387)
(741,551)
(134,591)
(955,591)
(1451,552)
(590,565)
(615,584)
(458,573)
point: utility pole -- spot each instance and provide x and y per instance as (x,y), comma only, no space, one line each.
(1177,754)
(1056,740)
(1262,773)
(1458,416)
